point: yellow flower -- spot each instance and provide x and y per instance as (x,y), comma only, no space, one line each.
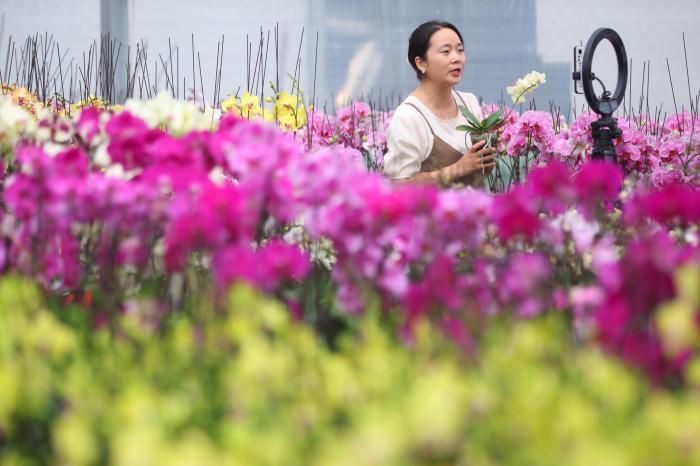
(286,104)
(230,105)
(287,122)
(74,439)
(91,101)
(250,106)
(23,97)
(290,112)
(268,115)
(676,326)
(10,389)
(301,118)
(687,279)
(675,320)
(692,373)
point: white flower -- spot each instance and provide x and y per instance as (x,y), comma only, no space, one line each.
(102,158)
(117,171)
(527,83)
(175,116)
(217,176)
(15,123)
(691,235)
(320,250)
(582,231)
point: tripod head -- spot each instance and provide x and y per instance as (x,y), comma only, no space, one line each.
(605,130)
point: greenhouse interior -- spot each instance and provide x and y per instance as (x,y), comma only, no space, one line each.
(369,233)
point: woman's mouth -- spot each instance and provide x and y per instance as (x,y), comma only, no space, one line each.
(456,73)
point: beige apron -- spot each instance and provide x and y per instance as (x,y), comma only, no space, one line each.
(442,155)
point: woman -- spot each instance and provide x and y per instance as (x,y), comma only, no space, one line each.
(423,143)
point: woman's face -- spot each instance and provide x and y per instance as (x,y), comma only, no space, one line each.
(445,57)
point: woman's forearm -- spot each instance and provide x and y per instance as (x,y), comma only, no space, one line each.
(435,177)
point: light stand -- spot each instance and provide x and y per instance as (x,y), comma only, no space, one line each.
(605,129)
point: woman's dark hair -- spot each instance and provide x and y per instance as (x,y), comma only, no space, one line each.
(419,41)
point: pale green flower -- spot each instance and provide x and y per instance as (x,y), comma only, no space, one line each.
(527,83)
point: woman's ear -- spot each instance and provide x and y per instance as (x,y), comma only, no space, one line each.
(420,64)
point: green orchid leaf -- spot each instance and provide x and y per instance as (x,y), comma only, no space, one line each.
(468,129)
(470,116)
(494,118)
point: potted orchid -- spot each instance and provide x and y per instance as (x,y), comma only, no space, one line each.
(485,129)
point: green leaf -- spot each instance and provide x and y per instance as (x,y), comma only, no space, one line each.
(494,118)
(470,116)
(467,128)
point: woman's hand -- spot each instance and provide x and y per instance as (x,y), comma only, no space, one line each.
(477,159)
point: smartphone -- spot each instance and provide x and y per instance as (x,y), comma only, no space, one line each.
(578,65)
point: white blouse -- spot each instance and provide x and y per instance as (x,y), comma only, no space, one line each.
(410,141)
